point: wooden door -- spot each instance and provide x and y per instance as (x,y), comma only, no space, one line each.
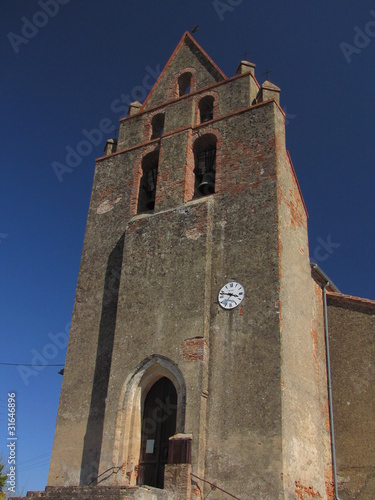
(158,425)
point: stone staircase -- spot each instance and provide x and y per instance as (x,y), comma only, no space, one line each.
(98,493)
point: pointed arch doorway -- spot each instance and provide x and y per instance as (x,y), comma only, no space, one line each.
(127,448)
(158,425)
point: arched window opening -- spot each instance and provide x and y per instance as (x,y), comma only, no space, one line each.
(157,124)
(206,108)
(158,425)
(147,187)
(205,165)
(184,84)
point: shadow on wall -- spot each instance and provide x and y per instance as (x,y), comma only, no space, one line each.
(94,432)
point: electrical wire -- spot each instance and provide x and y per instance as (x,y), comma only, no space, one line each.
(33,463)
(39,457)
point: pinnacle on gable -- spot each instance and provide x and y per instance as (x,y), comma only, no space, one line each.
(246,67)
(267,84)
(268,91)
(134,108)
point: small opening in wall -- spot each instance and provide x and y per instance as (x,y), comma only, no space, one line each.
(147,187)
(157,124)
(205,165)
(184,84)
(206,108)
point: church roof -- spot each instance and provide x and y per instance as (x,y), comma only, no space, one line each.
(351,299)
(333,292)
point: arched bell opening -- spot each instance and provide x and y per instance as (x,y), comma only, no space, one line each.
(206,109)
(184,84)
(157,126)
(204,165)
(147,186)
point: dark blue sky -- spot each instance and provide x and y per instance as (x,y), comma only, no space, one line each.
(69,74)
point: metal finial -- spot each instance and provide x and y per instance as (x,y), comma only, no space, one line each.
(267,72)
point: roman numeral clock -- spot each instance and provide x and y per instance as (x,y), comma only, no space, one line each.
(231,295)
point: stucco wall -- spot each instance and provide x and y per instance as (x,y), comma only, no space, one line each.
(352,344)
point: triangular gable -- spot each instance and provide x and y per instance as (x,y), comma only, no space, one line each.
(190,57)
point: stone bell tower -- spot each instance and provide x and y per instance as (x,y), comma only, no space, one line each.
(196,359)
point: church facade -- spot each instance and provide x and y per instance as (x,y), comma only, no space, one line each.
(197,358)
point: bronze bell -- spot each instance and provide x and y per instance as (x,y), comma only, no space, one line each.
(207,186)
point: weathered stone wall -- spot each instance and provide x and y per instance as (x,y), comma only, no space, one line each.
(230,96)
(178,480)
(187,57)
(248,381)
(244,402)
(85,381)
(352,345)
(162,299)
(131,131)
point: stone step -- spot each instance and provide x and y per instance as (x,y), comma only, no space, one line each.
(98,493)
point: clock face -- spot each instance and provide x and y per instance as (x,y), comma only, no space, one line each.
(231,295)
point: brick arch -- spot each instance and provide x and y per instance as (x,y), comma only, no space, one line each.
(173,87)
(147,130)
(129,412)
(216,107)
(205,129)
(137,174)
(197,133)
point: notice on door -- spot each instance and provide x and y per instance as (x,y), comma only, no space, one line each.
(150,443)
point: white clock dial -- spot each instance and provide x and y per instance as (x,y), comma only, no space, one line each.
(231,295)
